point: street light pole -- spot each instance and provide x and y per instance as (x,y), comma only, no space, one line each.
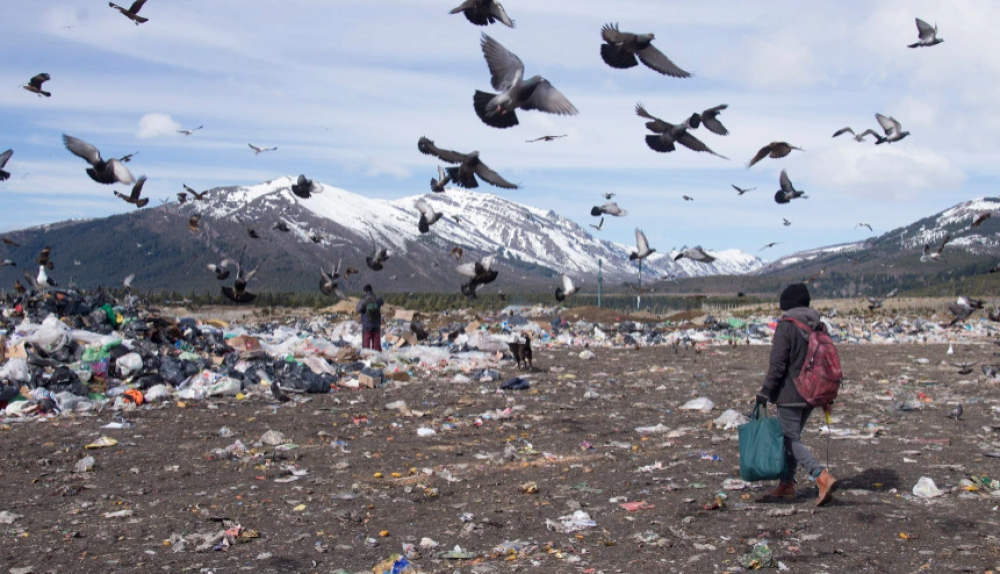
(600,282)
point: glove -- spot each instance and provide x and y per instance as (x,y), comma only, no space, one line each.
(762,400)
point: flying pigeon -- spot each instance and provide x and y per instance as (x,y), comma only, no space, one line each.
(106,172)
(774,150)
(469,166)
(975,222)
(567,289)
(609,208)
(221,273)
(4,158)
(927,34)
(786,222)
(741,191)
(133,12)
(643,250)
(963,308)
(189,132)
(8,241)
(328,284)
(620,50)
(260,150)
(599,226)
(238,292)
(991,371)
(876,302)
(127,282)
(480,273)
(769,245)
(44,258)
(305,188)
(484,12)
(437,185)
(376,260)
(193,222)
(893,130)
(687,198)
(608,196)
(194,194)
(8,263)
(667,134)
(695,254)
(457,252)
(134,198)
(252,233)
(545,139)
(281,226)
(936,255)
(507,71)
(428,216)
(787,191)
(34,85)
(857,137)
(182,197)
(865,225)
(710,118)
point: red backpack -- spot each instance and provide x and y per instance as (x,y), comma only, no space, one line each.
(819,381)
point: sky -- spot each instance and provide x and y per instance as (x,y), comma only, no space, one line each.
(345,88)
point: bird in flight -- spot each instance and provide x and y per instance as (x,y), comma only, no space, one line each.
(610,208)
(620,50)
(893,130)
(770,245)
(774,150)
(935,255)
(643,250)
(194,194)
(687,198)
(4,158)
(220,269)
(695,254)
(567,289)
(193,223)
(133,12)
(106,172)
(134,198)
(428,216)
(862,224)
(507,77)
(377,259)
(545,139)
(34,85)
(189,132)
(927,34)
(305,188)
(469,166)
(786,222)
(857,137)
(599,226)
(666,134)
(787,191)
(980,218)
(238,292)
(260,150)
(741,191)
(484,12)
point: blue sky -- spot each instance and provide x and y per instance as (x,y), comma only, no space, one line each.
(345,88)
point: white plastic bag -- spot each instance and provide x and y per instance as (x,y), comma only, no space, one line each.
(702,404)
(730,420)
(129,364)
(15,370)
(925,488)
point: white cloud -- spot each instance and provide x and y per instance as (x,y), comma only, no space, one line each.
(156,126)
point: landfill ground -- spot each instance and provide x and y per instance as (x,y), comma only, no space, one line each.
(573,435)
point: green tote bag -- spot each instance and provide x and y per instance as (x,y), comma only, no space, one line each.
(762,448)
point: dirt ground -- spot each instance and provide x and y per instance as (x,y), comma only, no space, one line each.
(573,434)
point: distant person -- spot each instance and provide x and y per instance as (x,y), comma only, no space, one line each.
(370,309)
(788,354)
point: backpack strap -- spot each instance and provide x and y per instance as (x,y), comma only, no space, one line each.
(799,324)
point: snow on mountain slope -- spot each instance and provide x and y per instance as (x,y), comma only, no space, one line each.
(485,222)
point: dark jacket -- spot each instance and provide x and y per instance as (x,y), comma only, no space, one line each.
(788,354)
(366,322)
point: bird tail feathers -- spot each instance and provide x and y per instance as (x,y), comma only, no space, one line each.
(481,102)
(656,143)
(616,57)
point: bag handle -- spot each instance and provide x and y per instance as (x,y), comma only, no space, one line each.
(757,414)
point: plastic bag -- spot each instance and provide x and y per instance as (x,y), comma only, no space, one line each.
(730,420)
(129,363)
(15,370)
(925,488)
(702,404)
(157,393)
(762,448)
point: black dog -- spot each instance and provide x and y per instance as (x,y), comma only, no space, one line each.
(522,353)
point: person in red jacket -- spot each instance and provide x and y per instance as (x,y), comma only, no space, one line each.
(788,353)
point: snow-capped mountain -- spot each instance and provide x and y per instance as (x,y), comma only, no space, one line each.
(476,221)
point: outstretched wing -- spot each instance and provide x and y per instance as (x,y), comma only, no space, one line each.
(505,66)
(493,178)
(688,140)
(764,151)
(567,284)
(5,157)
(497,11)
(890,125)
(640,241)
(842,131)
(137,188)
(424,208)
(657,60)
(548,99)
(611,34)
(657,125)
(786,184)
(427,147)
(925,30)
(82,149)
(136,6)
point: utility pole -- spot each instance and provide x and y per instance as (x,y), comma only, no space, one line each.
(638,297)
(600,282)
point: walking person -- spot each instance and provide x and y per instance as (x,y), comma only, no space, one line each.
(788,354)
(370,309)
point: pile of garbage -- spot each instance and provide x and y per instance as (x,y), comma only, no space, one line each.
(63,353)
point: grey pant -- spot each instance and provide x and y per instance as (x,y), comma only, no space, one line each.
(793,420)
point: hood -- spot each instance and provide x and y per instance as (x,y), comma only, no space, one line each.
(807,315)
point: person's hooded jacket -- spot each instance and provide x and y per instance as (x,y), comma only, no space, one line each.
(788,354)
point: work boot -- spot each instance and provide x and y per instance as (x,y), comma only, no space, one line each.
(784,491)
(827,486)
